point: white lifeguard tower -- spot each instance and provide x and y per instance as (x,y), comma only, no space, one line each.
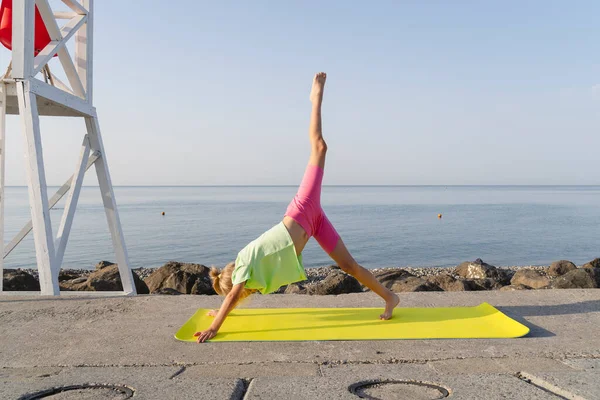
(31,29)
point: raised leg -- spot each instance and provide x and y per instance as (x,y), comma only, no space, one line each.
(346,262)
(318,147)
(307,202)
(110,206)
(38,196)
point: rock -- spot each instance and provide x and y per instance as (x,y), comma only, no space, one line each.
(514,287)
(103,264)
(68,274)
(449,283)
(388,278)
(580,278)
(479,269)
(476,270)
(484,284)
(18,280)
(281,290)
(143,273)
(167,291)
(506,275)
(104,279)
(530,278)
(295,288)
(414,284)
(74,285)
(558,268)
(184,277)
(595,263)
(109,279)
(337,282)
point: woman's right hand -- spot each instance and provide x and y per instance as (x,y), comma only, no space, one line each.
(212,313)
(205,335)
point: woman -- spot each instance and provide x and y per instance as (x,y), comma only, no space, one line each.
(274,259)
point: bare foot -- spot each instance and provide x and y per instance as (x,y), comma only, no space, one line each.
(316,93)
(389,307)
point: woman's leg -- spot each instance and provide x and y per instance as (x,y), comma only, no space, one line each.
(318,147)
(346,262)
(325,233)
(333,245)
(302,213)
(305,207)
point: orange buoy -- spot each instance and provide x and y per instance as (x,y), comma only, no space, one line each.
(163,213)
(440,216)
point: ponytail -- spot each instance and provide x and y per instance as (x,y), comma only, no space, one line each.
(221,281)
(215,276)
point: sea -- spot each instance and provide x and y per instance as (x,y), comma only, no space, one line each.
(382,226)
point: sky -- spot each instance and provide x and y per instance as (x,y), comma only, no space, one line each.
(194,92)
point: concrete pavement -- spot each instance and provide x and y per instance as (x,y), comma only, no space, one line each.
(74,339)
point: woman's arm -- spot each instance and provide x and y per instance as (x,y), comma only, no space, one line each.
(229,304)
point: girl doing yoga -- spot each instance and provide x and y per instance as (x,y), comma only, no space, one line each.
(274,259)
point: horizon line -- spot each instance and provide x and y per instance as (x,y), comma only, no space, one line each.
(344,185)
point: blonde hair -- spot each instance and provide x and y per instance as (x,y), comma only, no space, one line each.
(221,281)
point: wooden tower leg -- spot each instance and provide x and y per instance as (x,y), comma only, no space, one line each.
(2,173)
(110,205)
(66,222)
(38,196)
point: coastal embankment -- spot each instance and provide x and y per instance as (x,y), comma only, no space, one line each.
(188,278)
(78,339)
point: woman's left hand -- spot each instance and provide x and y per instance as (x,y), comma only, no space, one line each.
(205,335)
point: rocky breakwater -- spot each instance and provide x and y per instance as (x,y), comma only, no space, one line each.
(172,278)
(186,278)
(106,277)
(468,276)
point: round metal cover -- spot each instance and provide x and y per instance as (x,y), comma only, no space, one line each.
(393,389)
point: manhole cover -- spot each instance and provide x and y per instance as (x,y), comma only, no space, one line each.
(392,390)
(83,392)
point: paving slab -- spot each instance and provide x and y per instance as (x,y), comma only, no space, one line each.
(576,385)
(54,341)
(139,330)
(147,383)
(583,363)
(27,374)
(251,370)
(468,366)
(533,364)
(298,389)
(337,379)
(498,365)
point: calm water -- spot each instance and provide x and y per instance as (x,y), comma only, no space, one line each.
(381,226)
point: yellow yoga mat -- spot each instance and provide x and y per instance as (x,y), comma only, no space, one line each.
(298,324)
